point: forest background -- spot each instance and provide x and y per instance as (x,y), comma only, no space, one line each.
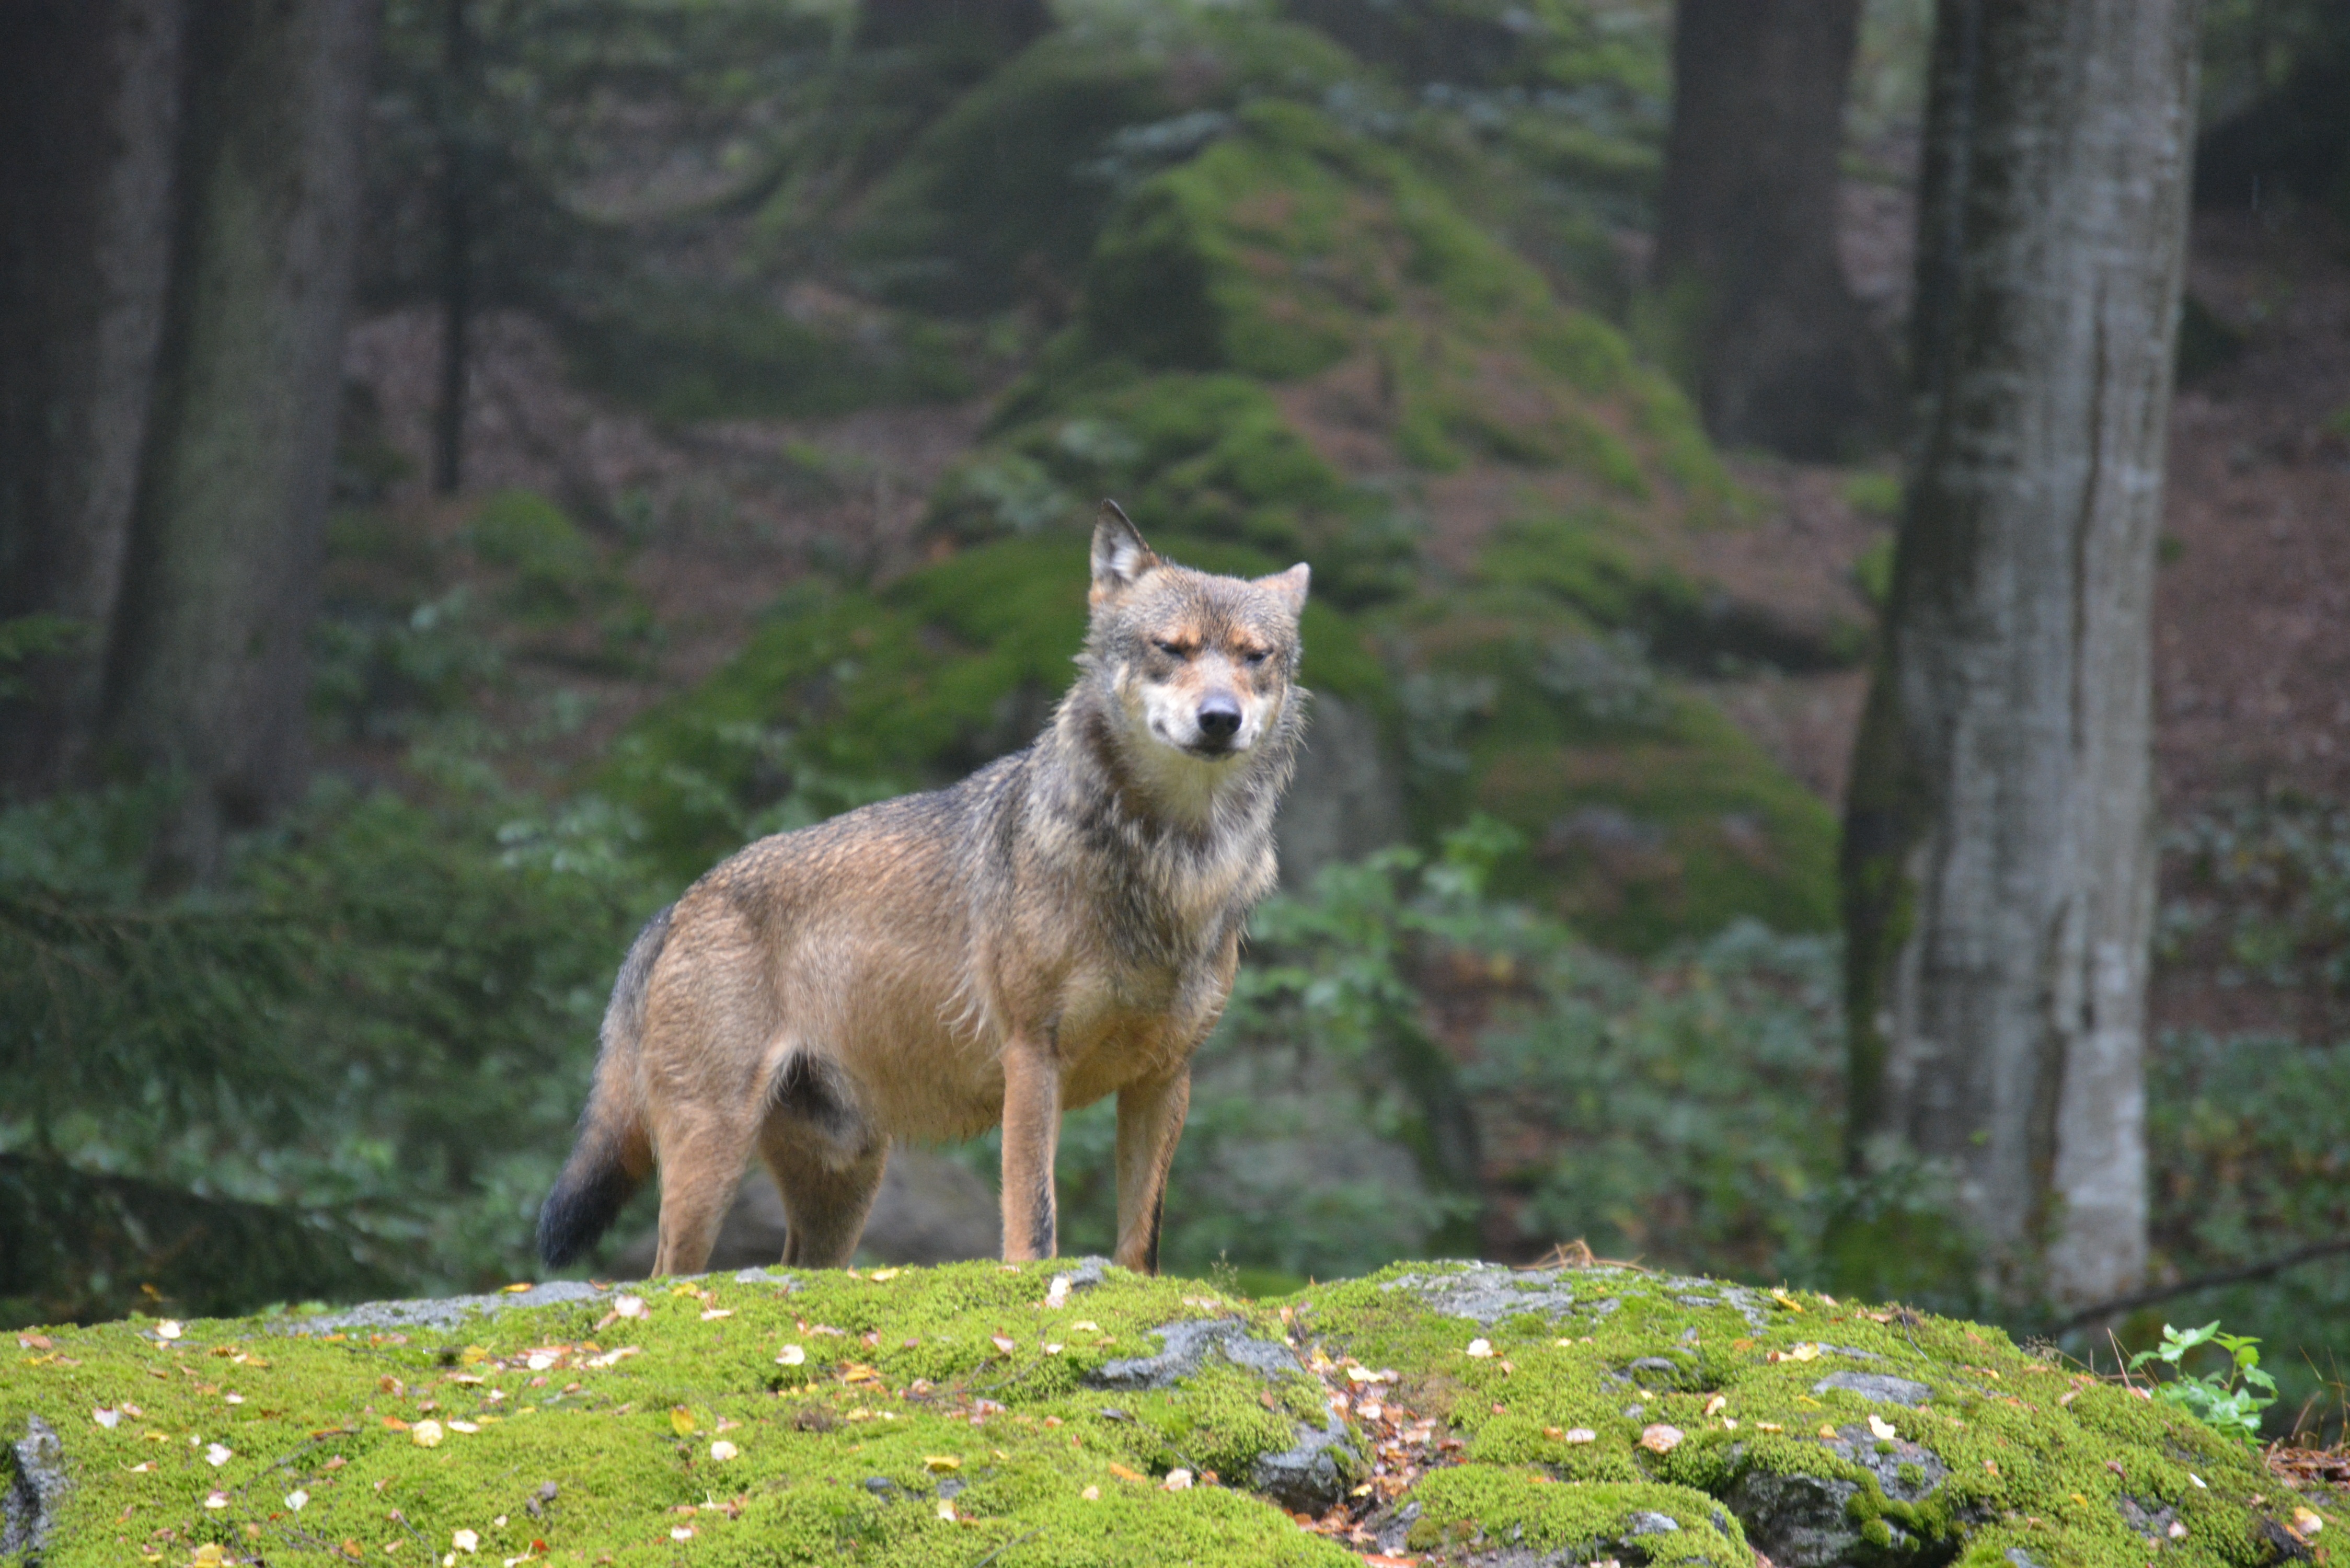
(724,392)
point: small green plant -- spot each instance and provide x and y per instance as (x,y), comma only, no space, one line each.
(2230,1400)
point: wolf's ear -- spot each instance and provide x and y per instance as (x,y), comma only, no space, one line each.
(1120,555)
(1290,585)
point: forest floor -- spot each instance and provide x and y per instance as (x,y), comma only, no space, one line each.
(2252,661)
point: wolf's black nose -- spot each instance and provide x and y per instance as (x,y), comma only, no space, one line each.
(1219,717)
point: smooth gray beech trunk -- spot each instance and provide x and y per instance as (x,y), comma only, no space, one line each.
(207,676)
(1746,286)
(1998,876)
(90,97)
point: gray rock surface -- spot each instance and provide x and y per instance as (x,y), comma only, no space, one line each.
(1877,1385)
(36,1489)
(1190,1343)
(445,1312)
(1311,1476)
(1797,1521)
(930,1210)
(1887,1459)
(1489,1293)
(1346,799)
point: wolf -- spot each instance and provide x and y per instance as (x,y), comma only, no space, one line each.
(1061,926)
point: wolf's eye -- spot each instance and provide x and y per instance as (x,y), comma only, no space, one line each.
(1254,656)
(1172,650)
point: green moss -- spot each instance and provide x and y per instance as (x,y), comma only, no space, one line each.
(902,1396)
(1195,460)
(1294,245)
(848,695)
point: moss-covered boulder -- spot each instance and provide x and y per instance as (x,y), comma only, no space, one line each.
(1070,1413)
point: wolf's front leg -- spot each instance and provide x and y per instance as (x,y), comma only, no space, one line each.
(1149,1120)
(1031,1132)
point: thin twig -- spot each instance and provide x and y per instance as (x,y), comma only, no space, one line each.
(2261,1270)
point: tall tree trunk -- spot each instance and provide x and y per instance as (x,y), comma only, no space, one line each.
(1999,879)
(89,119)
(207,673)
(456,251)
(1745,283)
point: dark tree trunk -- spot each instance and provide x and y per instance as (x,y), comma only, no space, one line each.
(1998,871)
(207,676)
(456,253)
(1746,286)
(89,119)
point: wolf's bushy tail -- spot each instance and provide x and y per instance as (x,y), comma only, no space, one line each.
(613,1153)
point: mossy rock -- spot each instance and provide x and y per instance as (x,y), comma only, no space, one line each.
(1296,244)
(1051,1413)
(1001,198)
(1192,457)
(847,695)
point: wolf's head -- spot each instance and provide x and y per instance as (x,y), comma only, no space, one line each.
(1201,669)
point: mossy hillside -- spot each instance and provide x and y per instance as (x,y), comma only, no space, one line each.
(570,1432)
(999,199)
(1646,813)
(1205,457)
(849,694)
(1296,244)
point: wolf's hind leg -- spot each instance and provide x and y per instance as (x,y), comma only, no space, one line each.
(701,1165)
(1149,1120)
(825,1201)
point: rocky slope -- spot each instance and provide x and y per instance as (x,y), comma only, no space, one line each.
(1073,1413)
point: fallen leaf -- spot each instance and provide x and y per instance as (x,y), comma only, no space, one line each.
(1581,1435)
(681,1421)
(108,1418)
(1769,1427)
(517,1288)
(791,1356)
(465,1541)
(297,1499)
(1091,1494)
(714,1313)
(629,1307)
(2307,1520)
(883,1276)
(1365,1375)
(468,1427)
(425,1434)
(2177,1531)
(946,1510)
(940,1464)
(216,1500)
(681,1532)
(1124,1474)
(1881,1428)
(1178,1480)
(1086,1325)
(721,1451)
(1827,1430)
(217,1456)
(168,1329)
(1660,1439)
(1481,1348)
(1001,1342)
(1807,1352)
(1056,1294)
(1715,1406)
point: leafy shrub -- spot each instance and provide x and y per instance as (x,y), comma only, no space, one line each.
(2230,1399)
(377,1034)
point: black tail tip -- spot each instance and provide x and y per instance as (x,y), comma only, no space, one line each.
(579,1211)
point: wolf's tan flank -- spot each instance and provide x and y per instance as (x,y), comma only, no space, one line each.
(1060,925)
